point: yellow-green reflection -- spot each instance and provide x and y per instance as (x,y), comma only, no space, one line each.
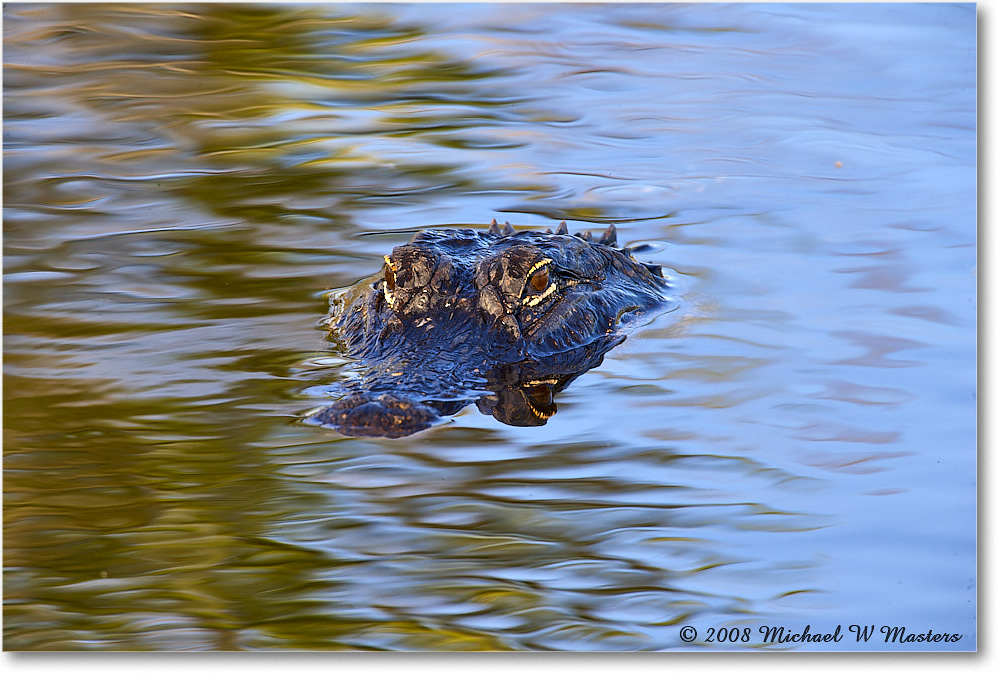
(183,182)
(264,113)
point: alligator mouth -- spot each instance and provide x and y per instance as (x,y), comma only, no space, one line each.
(538,397)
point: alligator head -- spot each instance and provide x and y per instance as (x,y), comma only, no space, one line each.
(506,319)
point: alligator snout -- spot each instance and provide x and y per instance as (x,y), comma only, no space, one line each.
(362,414)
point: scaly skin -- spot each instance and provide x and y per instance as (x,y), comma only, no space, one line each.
(506,319)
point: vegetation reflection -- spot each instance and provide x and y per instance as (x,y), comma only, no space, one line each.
(267,113)
(155,495)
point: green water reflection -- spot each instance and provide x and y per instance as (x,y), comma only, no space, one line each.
(256,113)
(183,182)
(137,520)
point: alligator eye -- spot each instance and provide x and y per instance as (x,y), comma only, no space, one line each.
(540,279)
(540,282)
(390,282)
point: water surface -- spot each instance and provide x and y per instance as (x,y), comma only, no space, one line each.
(794,445)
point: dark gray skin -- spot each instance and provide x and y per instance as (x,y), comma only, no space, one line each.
(506,319)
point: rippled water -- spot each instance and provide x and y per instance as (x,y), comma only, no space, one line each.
(794,445)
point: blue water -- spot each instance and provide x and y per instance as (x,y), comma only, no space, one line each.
(794,445)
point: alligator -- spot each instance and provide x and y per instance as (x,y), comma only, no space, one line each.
(502,318)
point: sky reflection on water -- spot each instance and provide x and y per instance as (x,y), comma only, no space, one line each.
(795,444)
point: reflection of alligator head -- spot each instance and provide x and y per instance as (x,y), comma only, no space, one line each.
(501,318)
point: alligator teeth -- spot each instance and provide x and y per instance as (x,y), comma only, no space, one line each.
(538,413)
(562,229)
(494,229)
(610,236)
(507,230)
